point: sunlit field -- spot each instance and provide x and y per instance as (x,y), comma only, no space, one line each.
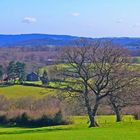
(128,129)
(17,91)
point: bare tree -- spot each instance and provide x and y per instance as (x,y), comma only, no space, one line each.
(118,100)
(123,97)
(94,71)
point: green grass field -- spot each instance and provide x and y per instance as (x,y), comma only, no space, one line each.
(18,91)
(108,130)
(128,129)
(136,59)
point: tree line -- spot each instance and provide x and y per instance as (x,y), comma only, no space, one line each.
(15,73)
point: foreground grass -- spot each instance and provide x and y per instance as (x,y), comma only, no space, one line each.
(108,130)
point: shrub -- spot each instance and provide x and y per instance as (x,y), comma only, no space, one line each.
(43,121)
(136,116)
(21,120)
(26,121)
(58,117)
(3,119)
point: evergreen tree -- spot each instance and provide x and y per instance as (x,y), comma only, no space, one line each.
(20,71)
(11,71)
(16,71)
(1,72)
(44,78)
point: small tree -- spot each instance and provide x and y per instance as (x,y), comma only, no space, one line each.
(16,71)
(11,71)
(20,71)
(120,99)
(124,96)
(53,73)
(1,72)
(44,78)
(116,103)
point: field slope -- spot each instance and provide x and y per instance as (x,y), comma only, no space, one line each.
(18,91)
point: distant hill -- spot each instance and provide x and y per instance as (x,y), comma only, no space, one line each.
(126,42)
(24,40)
(33,39)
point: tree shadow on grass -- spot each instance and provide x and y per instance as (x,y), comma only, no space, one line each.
(5,85)
(38,130)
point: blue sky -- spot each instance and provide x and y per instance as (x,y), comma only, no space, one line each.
(92,18)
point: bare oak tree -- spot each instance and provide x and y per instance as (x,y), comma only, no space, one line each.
(95,70)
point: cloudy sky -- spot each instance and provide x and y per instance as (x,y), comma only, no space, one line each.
(91,18)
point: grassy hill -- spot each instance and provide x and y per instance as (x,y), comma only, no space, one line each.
(17,91)
(108,130)
(22,91)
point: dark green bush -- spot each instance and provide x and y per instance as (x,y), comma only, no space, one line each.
(3,119)
(136,116)
(25,121)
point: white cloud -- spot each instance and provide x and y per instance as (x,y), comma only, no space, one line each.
(75,14)
(136,25)
(119,21)
(29,20)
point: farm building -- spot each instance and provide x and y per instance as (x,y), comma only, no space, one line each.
(32,77)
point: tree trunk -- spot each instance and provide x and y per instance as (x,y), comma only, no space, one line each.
(118,115)
(91,113)
(117,112)
(93,122)
(116,108)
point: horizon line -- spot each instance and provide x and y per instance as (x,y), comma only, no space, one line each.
(14,34)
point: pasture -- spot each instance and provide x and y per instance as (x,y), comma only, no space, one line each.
(17,91)
(128,129)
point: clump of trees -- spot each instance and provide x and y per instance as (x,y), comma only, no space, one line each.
(15,72)
(95,71)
